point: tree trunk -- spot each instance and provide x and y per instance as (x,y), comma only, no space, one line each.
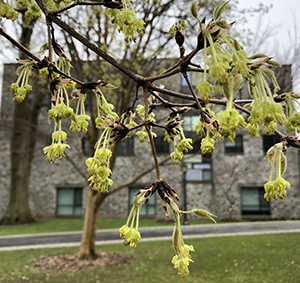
(18,211)
(87,247)
(22,147)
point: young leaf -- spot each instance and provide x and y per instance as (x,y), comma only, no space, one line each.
(219,10)
(274,63)
(283,163)
(271,153)
(256,56)
(222,24)
(194,10)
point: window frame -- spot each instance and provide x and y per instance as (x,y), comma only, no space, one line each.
(263,204)
(145,207)
(161,146)
(74,204)
(129,145)
(234,149)
(272,139)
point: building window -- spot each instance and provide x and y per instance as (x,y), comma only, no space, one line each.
(185,88)
(85,146)
(190,122)
(253,201)
(146,209)
(126,147)
(69,201)
(161,146)
(269,141)
(198,172)
(234,147)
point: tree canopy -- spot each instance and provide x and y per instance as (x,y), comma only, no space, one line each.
(226,66)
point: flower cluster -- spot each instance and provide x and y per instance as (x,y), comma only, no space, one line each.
(174,131)
(57,4)
(229,122)
(81,120)
(60,100)
(182,259)
(276,159)
(126,21)
(21,88)
(55,151)
(8,11)
(106,116)
(98,165)
(293,117)
(129,231)
(210,128)
(33,12)
(265,112)
(143,134)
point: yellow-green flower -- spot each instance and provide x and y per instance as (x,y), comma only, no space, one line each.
(276,188)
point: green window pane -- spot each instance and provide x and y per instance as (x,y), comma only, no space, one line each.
(65,197)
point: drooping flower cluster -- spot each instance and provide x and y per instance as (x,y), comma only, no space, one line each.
(21,88)
(81,120)
(182,259)
(126,21)
(140,109)
(265,111)
(293,117)
(210,128)
(7,11)
(276,160)
(174,131)
(129,231)
(98,165)
(56,151)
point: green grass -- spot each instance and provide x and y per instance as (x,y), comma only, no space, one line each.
(250,259)
(71,224)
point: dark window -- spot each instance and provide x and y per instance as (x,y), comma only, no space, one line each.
(69,201)
(234,147)
(85,146)
(253,201)
(269,141)
(126,147)
(161,146)
(148,209)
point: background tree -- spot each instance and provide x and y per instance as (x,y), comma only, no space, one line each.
(22,145)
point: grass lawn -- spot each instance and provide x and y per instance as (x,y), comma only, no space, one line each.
(71,224)
(260,258)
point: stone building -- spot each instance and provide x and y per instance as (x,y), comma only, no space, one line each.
(228,183)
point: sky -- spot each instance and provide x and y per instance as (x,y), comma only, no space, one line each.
(282,16)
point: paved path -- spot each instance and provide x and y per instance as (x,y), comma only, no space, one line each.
(33,241)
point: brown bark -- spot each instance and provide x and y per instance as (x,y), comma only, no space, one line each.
(87,247)
(22,147)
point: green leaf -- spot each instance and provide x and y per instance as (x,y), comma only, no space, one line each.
(110,86)
(256,56)
(271,153)
(219,10)
(283,163)
(222,24)
(247,106)
(274,63)
(194,10)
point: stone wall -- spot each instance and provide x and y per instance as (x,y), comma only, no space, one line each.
(45,178)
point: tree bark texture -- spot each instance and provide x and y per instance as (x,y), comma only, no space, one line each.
(22,145)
